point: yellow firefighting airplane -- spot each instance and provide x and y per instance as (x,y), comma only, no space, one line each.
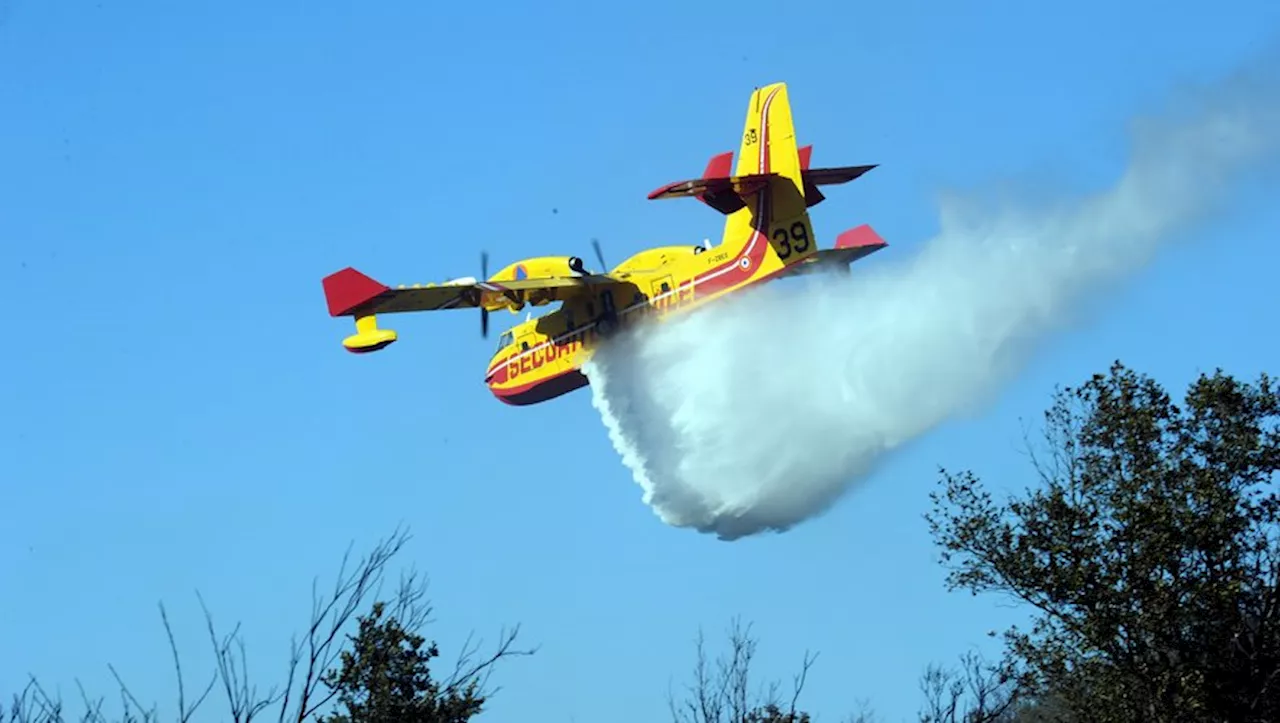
(767,235)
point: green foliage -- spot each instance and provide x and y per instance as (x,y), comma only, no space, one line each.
(1148,551)
(773,713)
(385,677)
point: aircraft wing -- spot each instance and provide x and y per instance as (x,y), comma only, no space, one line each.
(351,293)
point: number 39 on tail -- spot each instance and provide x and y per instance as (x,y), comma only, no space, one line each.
(767,235)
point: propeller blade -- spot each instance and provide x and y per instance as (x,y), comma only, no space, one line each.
(595,244)
(484,313)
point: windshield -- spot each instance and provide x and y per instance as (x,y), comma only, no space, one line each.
(505,340)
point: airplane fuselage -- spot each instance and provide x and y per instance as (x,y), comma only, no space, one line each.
(542,358)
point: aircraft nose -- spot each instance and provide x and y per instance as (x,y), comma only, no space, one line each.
(491,374)
(492,380)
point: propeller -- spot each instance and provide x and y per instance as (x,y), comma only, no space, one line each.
(595,244)
(484,313)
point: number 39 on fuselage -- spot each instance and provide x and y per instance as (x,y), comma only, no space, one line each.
(765,200)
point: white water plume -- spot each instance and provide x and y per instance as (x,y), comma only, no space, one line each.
(759,411)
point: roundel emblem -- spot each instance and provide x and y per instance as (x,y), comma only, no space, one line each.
(745,262)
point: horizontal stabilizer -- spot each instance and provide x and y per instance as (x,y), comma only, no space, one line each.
(720,166)
(824,177)
(851,245)
(725,194)
(832,176)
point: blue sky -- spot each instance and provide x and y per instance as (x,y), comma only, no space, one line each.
(179,413)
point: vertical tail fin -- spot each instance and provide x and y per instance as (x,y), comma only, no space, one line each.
(765,193)
(779,211)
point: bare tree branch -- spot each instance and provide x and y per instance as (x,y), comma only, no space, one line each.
(184,713)
(724,694)
(308,688)
(243,701)
(977,693)
(862,714)
(329,617)
(468,672)
(799,679)
(128,697)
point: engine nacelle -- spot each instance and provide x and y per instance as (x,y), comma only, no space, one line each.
(461,281)
(541,266)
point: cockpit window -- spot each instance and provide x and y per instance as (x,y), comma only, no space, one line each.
(505,340)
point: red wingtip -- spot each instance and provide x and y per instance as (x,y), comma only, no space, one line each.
(860,237)
(805,154)
(347,289)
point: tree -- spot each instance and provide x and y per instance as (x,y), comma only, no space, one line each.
(1148,552)
(385,676)
(310,684)
(722,693)
(976,693)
